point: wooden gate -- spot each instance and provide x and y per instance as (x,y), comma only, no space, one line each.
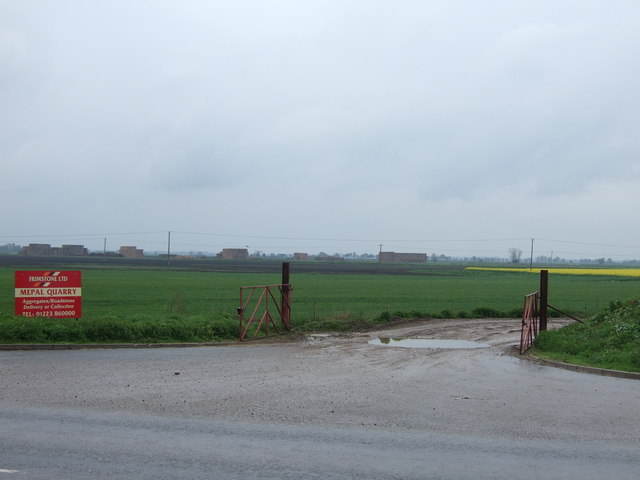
(264,307)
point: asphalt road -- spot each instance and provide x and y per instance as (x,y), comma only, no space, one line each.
(54,443)
(325,407)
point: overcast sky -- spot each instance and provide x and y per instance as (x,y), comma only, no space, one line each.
(458,127)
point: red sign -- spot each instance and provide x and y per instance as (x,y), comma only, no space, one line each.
(49,294)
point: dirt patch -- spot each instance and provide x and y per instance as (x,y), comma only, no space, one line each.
(498,333)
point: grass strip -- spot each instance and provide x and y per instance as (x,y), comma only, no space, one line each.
(135,329)
(609,339)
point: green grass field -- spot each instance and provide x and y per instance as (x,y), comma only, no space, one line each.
(149,297)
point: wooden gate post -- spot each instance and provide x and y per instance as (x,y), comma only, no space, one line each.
(544,289)
(286,298)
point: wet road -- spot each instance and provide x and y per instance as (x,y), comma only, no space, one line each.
(46,443)
(324,408)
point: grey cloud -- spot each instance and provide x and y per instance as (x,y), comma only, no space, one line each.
(414,104)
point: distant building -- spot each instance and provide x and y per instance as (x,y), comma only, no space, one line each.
(74,251)
(329,258)
(131,252)
(234,253)
(393,257)
(45,249)
(39,249)
(105,254)
(301,256)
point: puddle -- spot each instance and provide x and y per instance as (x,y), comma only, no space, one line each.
(318,336)
(427,343)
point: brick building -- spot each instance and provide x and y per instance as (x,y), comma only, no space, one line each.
(234,253)
(39,249)
(45,249)
(393,257)
(131,252)
(74,250)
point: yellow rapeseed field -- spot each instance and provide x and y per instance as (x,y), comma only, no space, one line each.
(621,272)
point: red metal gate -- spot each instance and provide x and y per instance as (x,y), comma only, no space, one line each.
(530,319)
(259,304)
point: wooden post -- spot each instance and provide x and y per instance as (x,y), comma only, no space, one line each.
(286,297)
(544,289)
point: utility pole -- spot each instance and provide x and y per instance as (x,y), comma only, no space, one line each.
(531,260)
(380,254)
(169,251)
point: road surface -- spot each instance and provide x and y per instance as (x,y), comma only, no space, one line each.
(327,407)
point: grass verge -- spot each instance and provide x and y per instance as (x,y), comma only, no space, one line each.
(609,339)
(134,329)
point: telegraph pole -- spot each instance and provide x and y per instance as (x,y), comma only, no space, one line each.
(169,251)
(531,260)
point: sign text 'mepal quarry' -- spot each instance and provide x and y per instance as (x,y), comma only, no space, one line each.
(49,294)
